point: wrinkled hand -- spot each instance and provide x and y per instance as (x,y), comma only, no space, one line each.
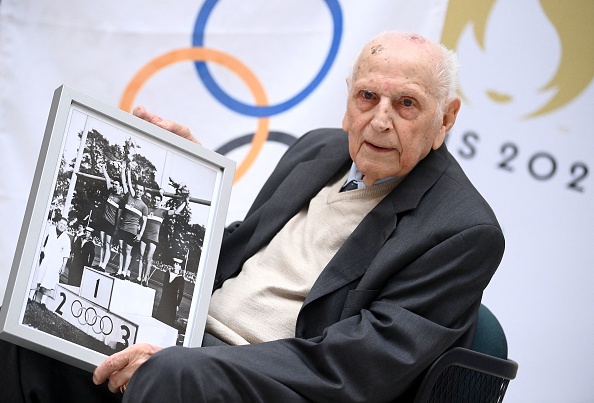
(120,367)
(169,125)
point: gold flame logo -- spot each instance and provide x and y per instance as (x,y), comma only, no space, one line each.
(573,22)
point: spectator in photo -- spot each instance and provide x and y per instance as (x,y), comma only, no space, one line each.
(171,296)
(55,252)
(83,254)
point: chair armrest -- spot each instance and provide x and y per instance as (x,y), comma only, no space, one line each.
(472,360)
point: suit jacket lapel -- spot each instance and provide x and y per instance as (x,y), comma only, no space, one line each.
(296,191)
(354,257)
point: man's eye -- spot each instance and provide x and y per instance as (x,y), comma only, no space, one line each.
(407,102)
(367,94)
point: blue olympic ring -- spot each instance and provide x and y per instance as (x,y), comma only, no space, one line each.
(254,110)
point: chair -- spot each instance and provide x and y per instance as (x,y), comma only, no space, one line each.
(479,374)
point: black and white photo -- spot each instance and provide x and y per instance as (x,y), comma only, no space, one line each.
(120,239)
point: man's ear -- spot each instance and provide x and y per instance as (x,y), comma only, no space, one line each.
(449,118)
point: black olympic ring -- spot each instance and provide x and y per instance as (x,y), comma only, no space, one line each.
(102,326)
(94,316)
(279,137)
(80,309)
(91,320)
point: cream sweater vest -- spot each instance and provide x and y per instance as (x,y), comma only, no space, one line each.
(263,301)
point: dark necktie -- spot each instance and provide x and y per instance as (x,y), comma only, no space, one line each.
(350,186)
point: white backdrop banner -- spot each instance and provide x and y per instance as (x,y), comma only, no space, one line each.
(523,135)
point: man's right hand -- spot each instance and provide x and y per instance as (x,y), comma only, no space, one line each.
(120,367)
(169,125)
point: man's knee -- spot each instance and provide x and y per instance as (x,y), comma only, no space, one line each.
(175,374)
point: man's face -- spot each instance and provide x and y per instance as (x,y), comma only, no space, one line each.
(392,117)
(139,191)
(61,226)
(157,201)
(117,186)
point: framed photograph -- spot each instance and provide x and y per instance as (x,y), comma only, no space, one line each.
(120,239)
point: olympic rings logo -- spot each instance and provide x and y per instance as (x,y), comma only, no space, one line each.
(89,316)
(262,110)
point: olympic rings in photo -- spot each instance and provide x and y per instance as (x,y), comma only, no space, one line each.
(90,318)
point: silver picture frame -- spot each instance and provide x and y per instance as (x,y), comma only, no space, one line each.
(91,152)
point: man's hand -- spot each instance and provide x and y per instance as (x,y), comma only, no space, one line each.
(120,367)
(169,125)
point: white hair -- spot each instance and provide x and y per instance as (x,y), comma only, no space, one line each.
(445,70)
(446,76)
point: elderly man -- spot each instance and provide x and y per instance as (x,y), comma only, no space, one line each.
(329,294)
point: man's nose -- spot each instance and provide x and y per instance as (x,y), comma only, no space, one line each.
(382,119)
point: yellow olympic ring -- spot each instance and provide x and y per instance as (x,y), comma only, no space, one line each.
(211,55)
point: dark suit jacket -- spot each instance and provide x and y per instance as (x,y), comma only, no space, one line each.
(404,287)
(82,255)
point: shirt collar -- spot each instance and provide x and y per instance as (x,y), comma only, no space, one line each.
(357,176)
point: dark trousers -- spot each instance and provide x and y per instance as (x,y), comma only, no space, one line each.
(27,376)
